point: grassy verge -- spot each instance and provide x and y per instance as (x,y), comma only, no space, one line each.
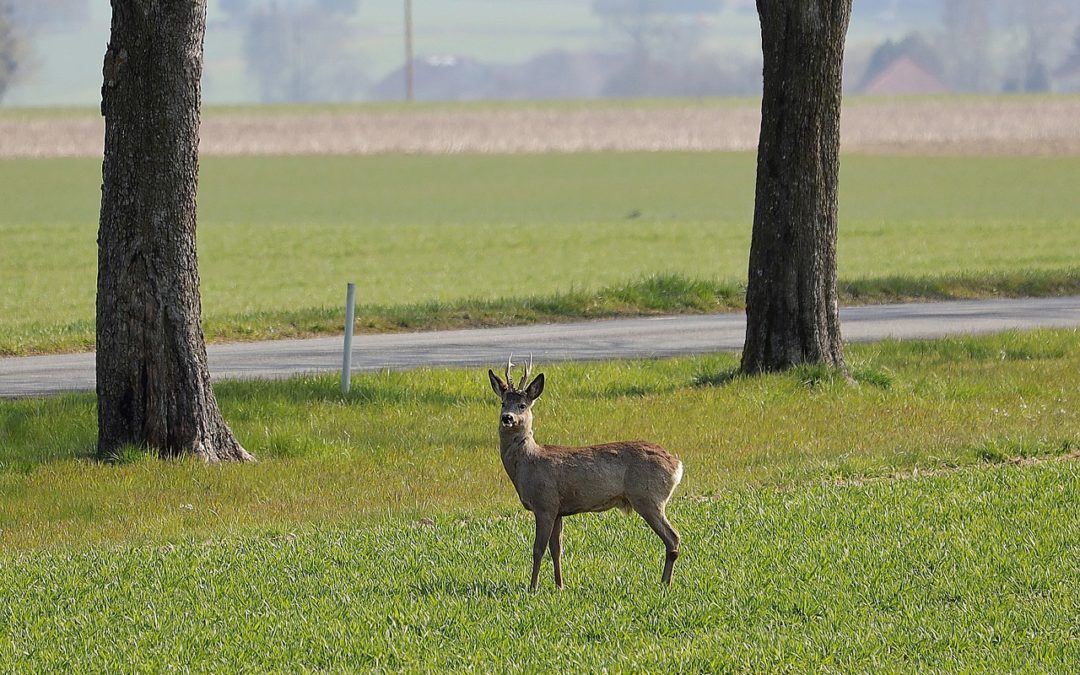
(421,442)
(1021,284)
(662,294)
(667,294)
(463,240)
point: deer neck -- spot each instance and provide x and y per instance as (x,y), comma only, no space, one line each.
(515,444)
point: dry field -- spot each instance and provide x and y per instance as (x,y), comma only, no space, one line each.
(1044,126)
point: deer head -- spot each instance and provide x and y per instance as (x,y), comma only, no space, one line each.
(516,400)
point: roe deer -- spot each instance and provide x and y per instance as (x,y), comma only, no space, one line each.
(554,481)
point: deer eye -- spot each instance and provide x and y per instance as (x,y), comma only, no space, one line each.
(521,406)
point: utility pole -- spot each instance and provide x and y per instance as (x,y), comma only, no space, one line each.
(409,92)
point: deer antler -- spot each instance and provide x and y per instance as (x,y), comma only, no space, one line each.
(509,366)
(525,377)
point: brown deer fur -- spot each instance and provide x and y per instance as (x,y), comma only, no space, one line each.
(554,481)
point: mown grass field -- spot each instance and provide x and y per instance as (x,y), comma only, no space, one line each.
(877,527)
(279,237)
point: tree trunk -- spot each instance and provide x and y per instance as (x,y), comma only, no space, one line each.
(792,315)
(153,383)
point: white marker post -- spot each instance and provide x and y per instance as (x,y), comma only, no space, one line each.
(350,317)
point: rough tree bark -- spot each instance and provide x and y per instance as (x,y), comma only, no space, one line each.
(153,384)
(792,315)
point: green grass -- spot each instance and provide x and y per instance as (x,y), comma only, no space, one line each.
(460,235)
(423,441)
(975,570)
(880,527)
(659,294)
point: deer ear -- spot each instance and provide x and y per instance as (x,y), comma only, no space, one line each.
(535,388)
(497,385)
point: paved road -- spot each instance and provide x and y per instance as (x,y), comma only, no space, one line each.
(591,340)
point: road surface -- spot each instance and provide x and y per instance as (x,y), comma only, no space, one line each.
(583,341)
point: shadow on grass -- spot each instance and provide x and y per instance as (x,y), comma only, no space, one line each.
(37,431)
(718,379)
(629,391)
(1009,451)
(813,376)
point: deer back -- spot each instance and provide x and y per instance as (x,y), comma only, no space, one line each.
(597,477)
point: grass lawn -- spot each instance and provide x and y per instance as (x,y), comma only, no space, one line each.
(447,240)
(378,530)
(975,570)
(432,434)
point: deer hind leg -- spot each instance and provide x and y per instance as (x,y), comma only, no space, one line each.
(555,546)
(544,525)
(656,518)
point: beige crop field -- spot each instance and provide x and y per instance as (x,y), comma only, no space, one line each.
(1004,125)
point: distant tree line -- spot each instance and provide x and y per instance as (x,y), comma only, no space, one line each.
(300,50)
(311,50)
(665,50)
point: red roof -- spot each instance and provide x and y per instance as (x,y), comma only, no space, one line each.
(904,76)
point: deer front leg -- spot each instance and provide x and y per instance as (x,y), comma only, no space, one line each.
(555,545)
(545,522)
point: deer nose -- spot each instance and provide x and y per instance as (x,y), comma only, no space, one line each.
(507,419)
